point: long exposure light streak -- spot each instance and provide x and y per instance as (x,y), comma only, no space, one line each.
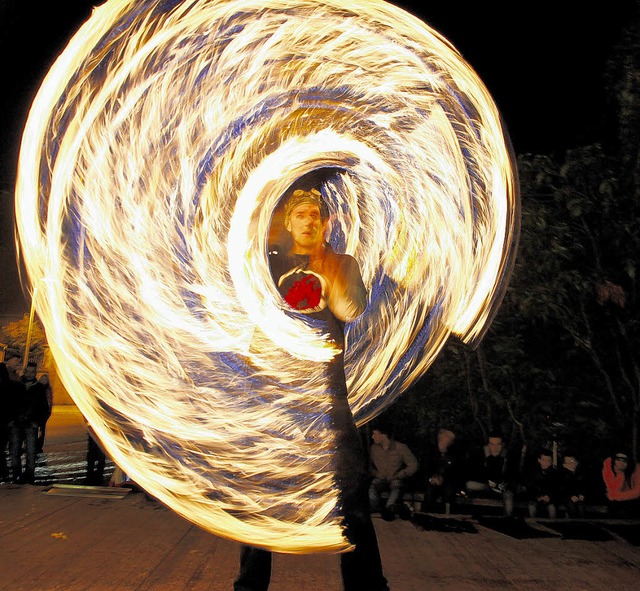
(151,168)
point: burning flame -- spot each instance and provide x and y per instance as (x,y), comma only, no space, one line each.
(152,164)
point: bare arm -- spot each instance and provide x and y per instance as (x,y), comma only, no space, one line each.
(347,297)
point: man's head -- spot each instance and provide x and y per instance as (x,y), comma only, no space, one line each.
(494,444)
(545,459)
(13,363)
(446,437)
(30,371)
(621,461)
(305,218)
(570,462)
(381,434)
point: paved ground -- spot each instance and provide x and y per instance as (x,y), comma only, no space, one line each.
(130,542)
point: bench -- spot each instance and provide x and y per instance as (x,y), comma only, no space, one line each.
(479,504)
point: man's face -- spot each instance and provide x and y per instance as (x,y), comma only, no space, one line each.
(620,462)
(495,446)
(376,436)
(306,227)
(545,462)
(29,372)
(445,439)
(13,364)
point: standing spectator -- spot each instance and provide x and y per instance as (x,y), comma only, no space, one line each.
(44,380)
(542,485)
(390,463)
(29,408)
(442,470)
(492,473)
(9,383)
(621,476)
(571,487)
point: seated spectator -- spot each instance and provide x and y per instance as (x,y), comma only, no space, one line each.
(492,473)
(390,463)
(442,470)
(621,476)
(571,487)
(542,485)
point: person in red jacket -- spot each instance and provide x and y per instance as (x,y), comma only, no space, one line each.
(621,476)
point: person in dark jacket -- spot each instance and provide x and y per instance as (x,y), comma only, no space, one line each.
(542,486)
(9,382)
(442,468)
(571,487)
(42,427)
(494,473)
(29,409)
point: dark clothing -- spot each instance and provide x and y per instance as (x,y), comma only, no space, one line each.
(4,440)
(255,570)
(42,425)
(23,436)
(28,409)
(7,397)
(497,470)
(303,287)
(29,404)
(96,460)
(494,476)
(443,477)
(361,569)
(542,483)
(571,486)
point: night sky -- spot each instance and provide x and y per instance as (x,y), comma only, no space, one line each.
(543,62)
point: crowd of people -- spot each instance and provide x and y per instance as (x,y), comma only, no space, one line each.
(550,485)
(25,407)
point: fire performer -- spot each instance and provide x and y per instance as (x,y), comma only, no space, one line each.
(327,290)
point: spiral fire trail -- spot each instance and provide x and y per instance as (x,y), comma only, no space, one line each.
(152,164)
